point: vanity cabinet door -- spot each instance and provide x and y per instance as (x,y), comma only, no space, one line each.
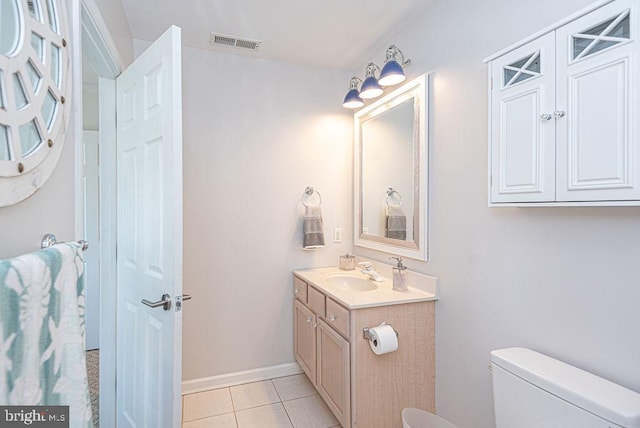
(522,125)
(598,151)
(334,372)
(305,323)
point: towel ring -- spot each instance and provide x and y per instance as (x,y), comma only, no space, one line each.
(308,193)
(390,192)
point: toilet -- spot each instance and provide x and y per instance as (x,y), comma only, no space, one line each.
(533,390)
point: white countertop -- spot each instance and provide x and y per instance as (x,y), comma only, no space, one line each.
(422,287)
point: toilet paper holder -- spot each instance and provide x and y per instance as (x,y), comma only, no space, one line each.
(367,335)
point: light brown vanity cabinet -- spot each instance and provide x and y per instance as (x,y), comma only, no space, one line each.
(363,389)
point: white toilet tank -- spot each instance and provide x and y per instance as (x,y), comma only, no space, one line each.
(533,390)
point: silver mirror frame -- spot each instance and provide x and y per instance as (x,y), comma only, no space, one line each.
(417,249)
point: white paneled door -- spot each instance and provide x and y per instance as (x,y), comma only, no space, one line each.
(149,237)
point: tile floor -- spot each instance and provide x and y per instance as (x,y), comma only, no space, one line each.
(285,402)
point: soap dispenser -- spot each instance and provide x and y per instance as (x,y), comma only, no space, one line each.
(399,275)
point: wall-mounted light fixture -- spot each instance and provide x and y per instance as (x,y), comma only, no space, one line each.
(392,73)
(370,87)
(353,100)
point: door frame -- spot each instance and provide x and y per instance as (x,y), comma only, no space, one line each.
(91,38)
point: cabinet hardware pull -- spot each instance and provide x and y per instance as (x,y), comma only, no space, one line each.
(546,117)
(296,291)
(559,114)
(308,320)
(332,317)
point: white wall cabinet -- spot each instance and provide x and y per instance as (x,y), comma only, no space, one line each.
(564,113)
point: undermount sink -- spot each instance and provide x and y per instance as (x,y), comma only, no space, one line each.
(350,282)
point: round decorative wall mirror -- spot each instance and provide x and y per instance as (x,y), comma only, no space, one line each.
(34,94)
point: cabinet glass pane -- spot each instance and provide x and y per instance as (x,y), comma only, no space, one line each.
(55,64)
(621,30)
(34,76)
(4,143)
(30,138)
(521,70)
(508,75)
(603,36)
(534,66)
(523,76)
(49,109)
(9,27)
(19,92)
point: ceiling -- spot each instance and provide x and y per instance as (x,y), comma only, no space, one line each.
(328,34)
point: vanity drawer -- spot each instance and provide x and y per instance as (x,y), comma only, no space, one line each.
(316,301)
(300,289)
(338,317)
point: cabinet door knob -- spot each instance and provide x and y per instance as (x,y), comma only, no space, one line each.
(308,320)
(332,317)
(296,291)
(545,117)
(559,114)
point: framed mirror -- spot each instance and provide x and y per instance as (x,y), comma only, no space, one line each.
(34,93)
(391,172)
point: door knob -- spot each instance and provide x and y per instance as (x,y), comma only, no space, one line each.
(559,114)
(545,117)
(165,302)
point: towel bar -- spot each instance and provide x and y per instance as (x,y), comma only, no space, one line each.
(49,240)
(308,192)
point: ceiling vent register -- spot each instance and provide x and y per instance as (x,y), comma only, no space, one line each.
(234,42)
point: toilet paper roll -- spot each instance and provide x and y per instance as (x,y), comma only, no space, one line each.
(383,339)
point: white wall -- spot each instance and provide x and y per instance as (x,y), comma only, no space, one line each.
(564,281)
(256,133)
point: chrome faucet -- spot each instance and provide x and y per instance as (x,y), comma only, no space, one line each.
(367,269)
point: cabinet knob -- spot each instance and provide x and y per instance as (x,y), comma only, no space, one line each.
(332,317)
(545,117)
(308,320)
(559,114)
(296,291)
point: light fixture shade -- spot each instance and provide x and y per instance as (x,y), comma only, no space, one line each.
(391,74)
(352,100)
(370,88)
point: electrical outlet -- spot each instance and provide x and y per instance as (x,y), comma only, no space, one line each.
(337,234)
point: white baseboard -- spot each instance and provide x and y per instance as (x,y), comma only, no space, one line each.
(238,378)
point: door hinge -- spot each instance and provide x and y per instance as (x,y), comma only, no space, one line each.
(492,83)
(491,180)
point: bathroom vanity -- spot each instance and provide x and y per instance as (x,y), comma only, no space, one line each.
(362,389)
